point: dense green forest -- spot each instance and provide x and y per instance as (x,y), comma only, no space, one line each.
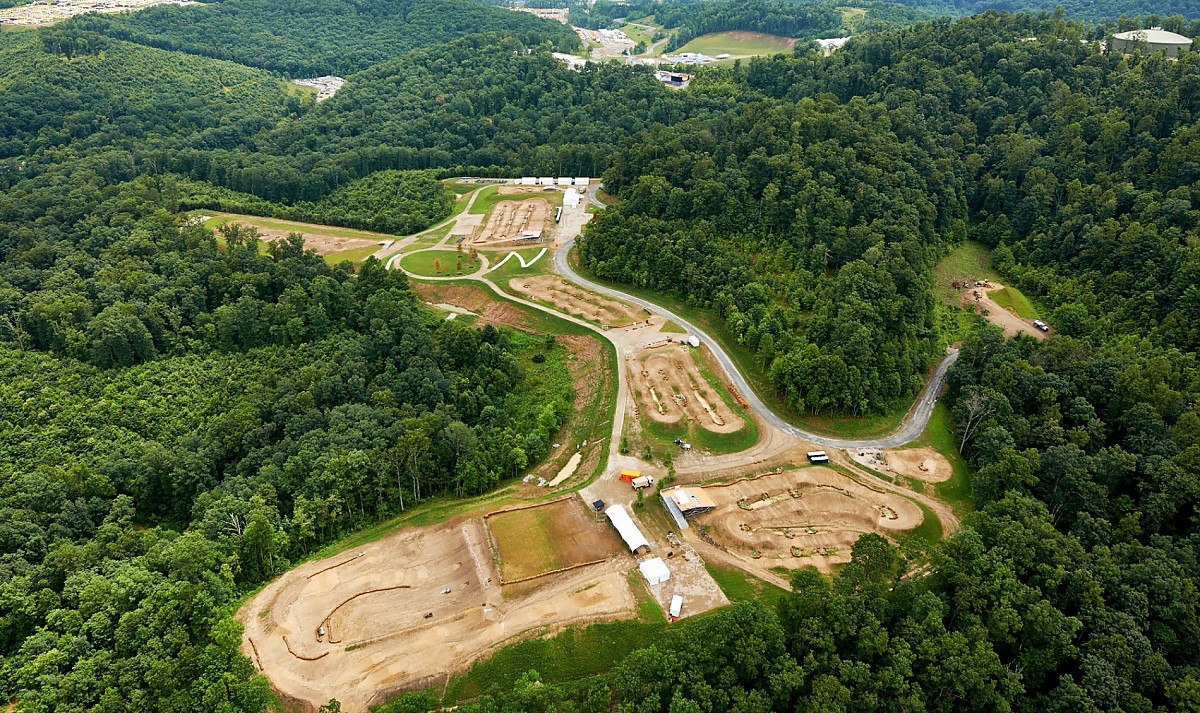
(315,37)
(183,417)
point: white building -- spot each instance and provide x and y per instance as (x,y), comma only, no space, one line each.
(582,181)
(1149,41)
(654,570)
(546,180)
(571,198)
(629,532)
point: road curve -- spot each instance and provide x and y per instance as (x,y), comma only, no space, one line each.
(914,422)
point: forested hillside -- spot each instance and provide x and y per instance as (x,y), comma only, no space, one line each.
(811,227)
(182,420)
(83,91)
(183,417)
(314,37)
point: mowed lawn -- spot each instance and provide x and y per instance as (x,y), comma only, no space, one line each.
(969,261)
(437,263)
(738,43)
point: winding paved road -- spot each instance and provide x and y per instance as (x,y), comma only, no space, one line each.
(914,423)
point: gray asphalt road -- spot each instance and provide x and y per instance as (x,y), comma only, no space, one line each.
(914,423)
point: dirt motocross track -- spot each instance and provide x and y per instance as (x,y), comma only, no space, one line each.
(669,387)
(568,298)
(511,219)
(805,517)
(355,626)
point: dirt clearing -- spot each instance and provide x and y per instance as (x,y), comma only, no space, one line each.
(924,464)
(669,387)
(566,297)
(509,220)
(533,541)
(977,298)
(406,609)
(797,518)
(324,239)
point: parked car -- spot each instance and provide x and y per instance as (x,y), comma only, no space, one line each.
(1041,325)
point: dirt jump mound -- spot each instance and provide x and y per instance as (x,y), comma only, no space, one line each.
(924,464)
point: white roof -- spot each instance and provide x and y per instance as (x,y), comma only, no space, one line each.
(629,532)
(676,605)
(1153,36)
(654,570)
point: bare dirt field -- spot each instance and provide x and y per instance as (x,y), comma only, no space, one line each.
(669,387)
(476,299)
(510,219)
(534,541)
(566,297)
(408,609)
(999,316)
(316,237)
(805,517)
(924,464)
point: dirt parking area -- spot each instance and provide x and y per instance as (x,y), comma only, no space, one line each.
(797,518)
(535,540)
(924,464)
(668,387)
(406,610)
(511,219)
(570,299)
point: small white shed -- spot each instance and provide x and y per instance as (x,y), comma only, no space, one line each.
(676,606)
(571,198)
(654,570)
(546,180)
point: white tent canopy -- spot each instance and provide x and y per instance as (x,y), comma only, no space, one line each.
(654,570)
(571,198)
(629,531)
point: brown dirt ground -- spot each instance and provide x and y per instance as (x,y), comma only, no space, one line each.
(668,387)
(536,540)
(314,239)
(509,219)
(837,508)
(373,601)
(566,297)
(476,299)
(924,464)
(997,315)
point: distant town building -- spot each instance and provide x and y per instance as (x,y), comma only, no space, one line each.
(829,45)
(572,61)
(676,80)
(1149,41)
(326,86)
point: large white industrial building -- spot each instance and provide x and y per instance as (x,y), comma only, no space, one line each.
(1149,41)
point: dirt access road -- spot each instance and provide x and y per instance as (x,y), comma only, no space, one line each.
(1002,318)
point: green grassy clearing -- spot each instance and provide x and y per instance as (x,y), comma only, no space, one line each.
(969,261)
(738,43)
(742,587)
(1012,299)
(955,492)
(353,255)
(512,268)
(670,327)
(636,33)
(490,196)
(918,542)
(852,16)
(439,263)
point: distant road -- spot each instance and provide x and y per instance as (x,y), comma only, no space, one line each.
(914,423)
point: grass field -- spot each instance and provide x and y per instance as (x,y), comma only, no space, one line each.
(743,44)
(1012,299)
(512,268)
(955,492)
(438,263)
(541,539)
(490,196)
(353,255)
(637,33)
(742,587)
(969,261)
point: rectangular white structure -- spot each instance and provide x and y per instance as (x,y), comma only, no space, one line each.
(582,181)
(654,570)
(676,606)
(571,198)
(564,181)
(529,181)
(546,180)
(629,532)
